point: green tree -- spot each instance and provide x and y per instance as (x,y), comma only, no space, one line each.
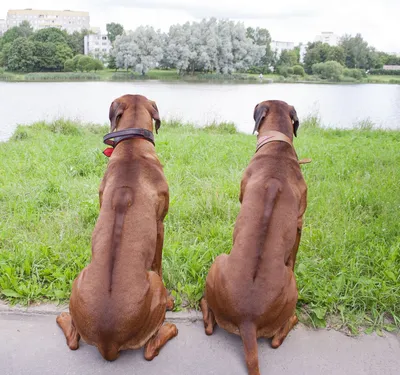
(5,53)
(262,37)
(288,58)
(316,52)
(21,56)
(373,59)
(113,30)
(336,53)
(76,41)
(24,30)
(392,60)
(63,53)
(51,35)
(111,62)
(44,53)
(358,53)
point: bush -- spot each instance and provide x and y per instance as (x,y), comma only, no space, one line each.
(384,72)
(328,70)
(298,70)
(283,70)
(354,73)
(83,63)
(69,66)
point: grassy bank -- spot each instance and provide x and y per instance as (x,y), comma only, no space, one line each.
(349,258)
(172,75)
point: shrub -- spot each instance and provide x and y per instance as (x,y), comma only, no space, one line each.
(328,70)
(69,66)
(282,70)
(298,70)
(354,73)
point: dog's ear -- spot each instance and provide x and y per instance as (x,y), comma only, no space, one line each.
(116,111)
(295,119)
(155,115)
(260,111)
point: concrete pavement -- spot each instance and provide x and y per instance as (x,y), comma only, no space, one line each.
(32,343)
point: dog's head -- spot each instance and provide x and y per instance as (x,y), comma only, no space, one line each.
(276,115)
(133,111)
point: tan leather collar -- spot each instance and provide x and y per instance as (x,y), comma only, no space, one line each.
(272,136)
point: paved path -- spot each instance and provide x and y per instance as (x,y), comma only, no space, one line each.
(33,344)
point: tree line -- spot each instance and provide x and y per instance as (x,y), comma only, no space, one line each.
(208,46)
(25,50)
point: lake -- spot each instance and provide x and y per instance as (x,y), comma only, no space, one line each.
(338,106)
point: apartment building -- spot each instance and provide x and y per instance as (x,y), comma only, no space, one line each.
(40,19)
(97,45)
(328,37)
(3,27)
(278,46)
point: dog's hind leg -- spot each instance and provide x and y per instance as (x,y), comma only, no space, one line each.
(164,334)
(64,320)
(279,336)
(157,261)
(208,317)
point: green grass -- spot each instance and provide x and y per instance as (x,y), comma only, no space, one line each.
(62,76)
(349,257)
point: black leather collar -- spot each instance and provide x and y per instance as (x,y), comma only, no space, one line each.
(112,139)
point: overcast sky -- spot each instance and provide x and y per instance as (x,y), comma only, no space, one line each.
(286,20)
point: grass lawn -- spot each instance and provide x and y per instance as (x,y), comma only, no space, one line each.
(349,257)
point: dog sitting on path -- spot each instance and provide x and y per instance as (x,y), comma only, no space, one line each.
(252,292)
(119,300)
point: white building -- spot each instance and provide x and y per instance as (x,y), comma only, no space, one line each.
(278,47)
(303,50)
(41,19)
(3,27)
(391,67)
(97,45)
(327,37)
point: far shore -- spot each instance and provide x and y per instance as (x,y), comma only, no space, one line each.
(173,75)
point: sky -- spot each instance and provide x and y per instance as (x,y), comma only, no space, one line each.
(286,20)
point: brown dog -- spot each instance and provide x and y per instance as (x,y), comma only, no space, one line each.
(119,300)
(252,292)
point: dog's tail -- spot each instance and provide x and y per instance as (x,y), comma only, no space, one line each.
(248,333)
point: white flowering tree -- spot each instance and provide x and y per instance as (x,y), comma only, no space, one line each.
(212,45)
(140,50)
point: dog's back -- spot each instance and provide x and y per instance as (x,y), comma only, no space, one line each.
(123,244)
(259,283)
(252,292)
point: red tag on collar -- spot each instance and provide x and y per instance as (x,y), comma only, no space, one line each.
(108,151)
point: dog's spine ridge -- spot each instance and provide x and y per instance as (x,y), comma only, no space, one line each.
(121,201)
(272,191)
